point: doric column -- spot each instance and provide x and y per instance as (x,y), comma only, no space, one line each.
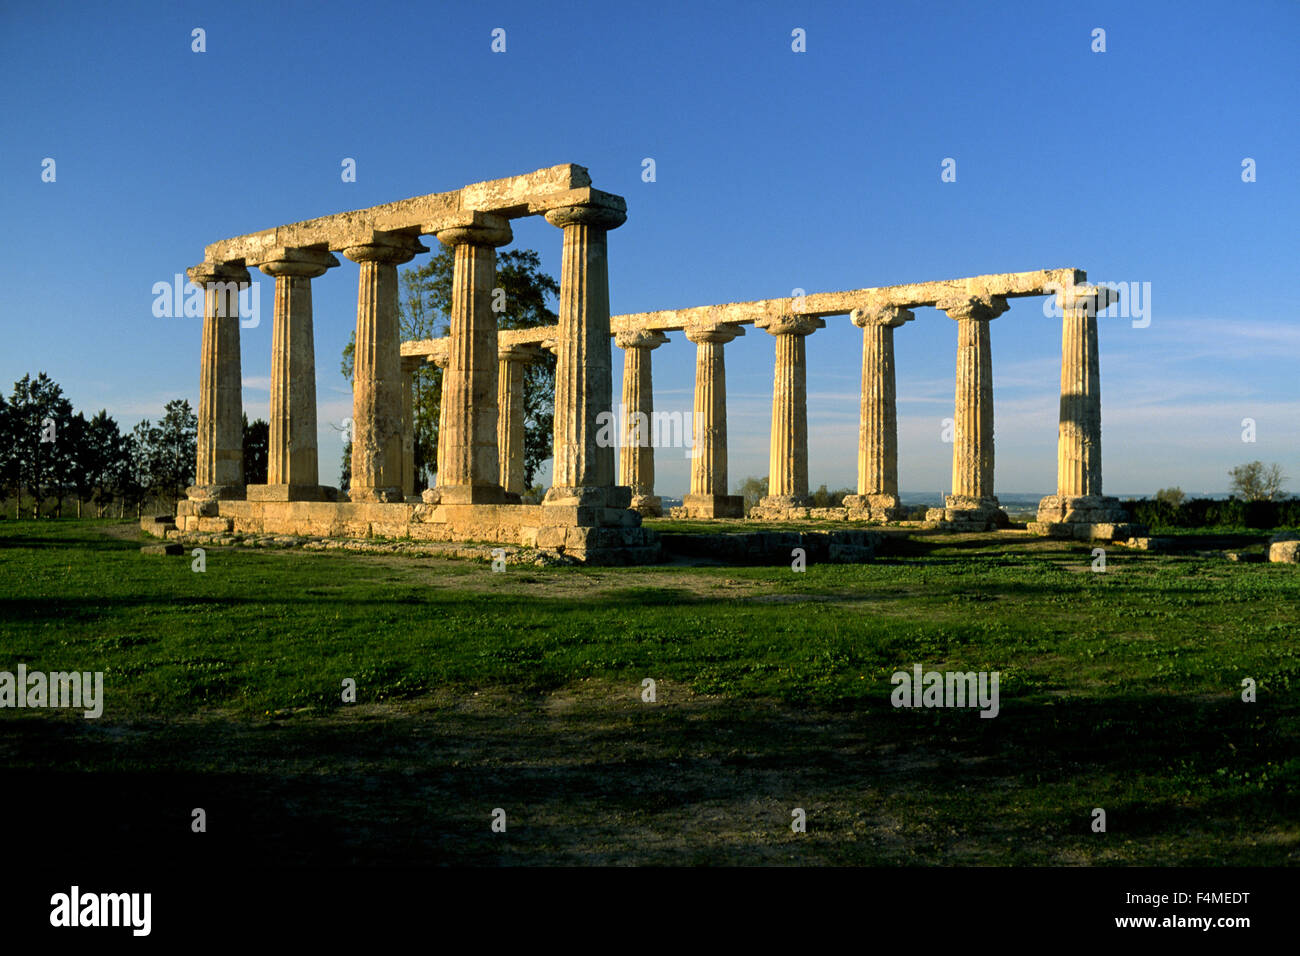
(787,474)
(377,369)
(1078,499)
(584,465)
(440,359)
(470,457)
(708,497)
(877,495)
(636,466)
(219,469)
(972,500)
(510,422)
(291,459)
(410,365)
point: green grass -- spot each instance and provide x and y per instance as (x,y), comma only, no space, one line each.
(1118,689)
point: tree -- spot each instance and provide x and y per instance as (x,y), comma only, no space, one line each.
(257,442)
(174,449)
(752,490)
(8,473)
(425,313)
(39,449)
(1256,481)
(822,498)
(102,460)
(137,479)
(1171,496)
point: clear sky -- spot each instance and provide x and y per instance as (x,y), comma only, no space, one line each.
(775,170)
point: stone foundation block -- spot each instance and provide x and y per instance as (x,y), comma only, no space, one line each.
(712,506)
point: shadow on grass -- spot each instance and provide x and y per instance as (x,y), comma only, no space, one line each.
(610,781)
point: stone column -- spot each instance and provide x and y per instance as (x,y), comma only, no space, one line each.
(972,504)
(787,474)
(511,362)
(584,465)
(440,359)
(219,468)
(708,497)
(410,365)
(292,473)
(1078,501)
(636,466)
(469,445)
(877,495)
(377,369)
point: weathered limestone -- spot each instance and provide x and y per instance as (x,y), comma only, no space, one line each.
(377,373)
(584,467)
(787,481)
(877,496)
(511,364)
(1284,548)
(1078,507)
(972,504)
(292,470)
(636,453)
(441,360)
(219,470)
(481,433)
(473,472)
(708,497)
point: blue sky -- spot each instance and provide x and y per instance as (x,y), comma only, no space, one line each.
(775,170)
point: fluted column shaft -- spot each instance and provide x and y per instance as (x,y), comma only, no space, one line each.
(1078,456)
(584,466)
(471,459)
(878,428)
(636,453)
(291,458)
(219,467)
(441,361)
(788,462)
(972,457)
(511,364)
(787,475)
(377,371)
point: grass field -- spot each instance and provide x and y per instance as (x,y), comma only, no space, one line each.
(522,690)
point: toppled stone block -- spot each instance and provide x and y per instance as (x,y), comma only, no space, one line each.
(170,547)
(1284,549)
(157,525)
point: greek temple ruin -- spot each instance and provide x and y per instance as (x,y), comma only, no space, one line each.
(587,513)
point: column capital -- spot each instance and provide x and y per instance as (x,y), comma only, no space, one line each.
(411,363)
(640,339)
(477,229)
(1088,298)
(791,324)
(603,216)
(208,272)
(983,308)
(441,359)
(308,263)
(888,315)
(721,333)
(519,353)
(387,247)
